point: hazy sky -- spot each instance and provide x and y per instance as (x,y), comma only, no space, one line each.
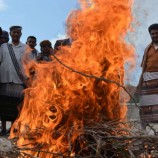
(145,13)
(45,19)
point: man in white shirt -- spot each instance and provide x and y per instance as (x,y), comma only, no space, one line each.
(12,84)
(32,42)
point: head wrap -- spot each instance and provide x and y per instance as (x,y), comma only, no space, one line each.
(46,42)
(15,27)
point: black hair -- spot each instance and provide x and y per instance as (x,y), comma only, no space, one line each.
(153,27)
(33,37)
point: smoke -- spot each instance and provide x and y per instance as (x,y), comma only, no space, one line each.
(144,13)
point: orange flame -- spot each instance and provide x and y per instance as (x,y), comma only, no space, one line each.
(60,102)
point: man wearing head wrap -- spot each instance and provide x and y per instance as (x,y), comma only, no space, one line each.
(46,51)
(62,42)
(11,83)
(148,84)
(4,38)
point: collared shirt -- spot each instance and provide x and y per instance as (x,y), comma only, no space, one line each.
(7,69)
(150,76)
(150,58)
(30,53)
(33,54)
(153,49)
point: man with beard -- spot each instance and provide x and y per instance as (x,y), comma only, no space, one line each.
(31,42)
(148,84)
(11,76)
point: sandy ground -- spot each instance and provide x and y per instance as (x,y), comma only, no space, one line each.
(132,115)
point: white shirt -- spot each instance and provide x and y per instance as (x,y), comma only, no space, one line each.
(150,76)
(7,69)
(34,54)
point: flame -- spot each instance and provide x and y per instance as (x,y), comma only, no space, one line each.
(60,101)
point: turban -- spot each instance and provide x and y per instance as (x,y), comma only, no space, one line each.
(15,27)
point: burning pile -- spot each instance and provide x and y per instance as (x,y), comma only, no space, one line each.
(65,97)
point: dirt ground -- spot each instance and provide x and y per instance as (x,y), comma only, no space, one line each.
(7,148)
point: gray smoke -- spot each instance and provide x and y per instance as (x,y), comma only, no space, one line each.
(145,13)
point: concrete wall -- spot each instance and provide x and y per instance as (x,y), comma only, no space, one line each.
(133,112)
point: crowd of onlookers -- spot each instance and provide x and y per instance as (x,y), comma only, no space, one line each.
(12,76)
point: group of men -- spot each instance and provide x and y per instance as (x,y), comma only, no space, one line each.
(12,76)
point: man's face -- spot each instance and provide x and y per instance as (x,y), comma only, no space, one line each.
(46,49)
(4,39)
(154,36)
(15,34)
(31,42)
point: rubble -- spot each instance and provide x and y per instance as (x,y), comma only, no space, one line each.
(7,148)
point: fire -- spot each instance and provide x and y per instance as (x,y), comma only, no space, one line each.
(60,102)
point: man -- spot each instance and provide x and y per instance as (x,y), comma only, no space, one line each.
(148,84)
(46,51)
(11,75)
(31,42)
(62,42)
(4,38)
